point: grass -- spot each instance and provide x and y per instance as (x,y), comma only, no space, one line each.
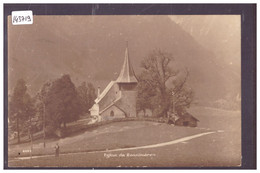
(200,152)
(217,119)
(110,136)
(219,149)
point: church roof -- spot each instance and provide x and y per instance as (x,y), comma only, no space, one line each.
(127,74)
(105,91)
(187,115)
(113,104)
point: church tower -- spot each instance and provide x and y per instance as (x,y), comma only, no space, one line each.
(127,83)
(118,99)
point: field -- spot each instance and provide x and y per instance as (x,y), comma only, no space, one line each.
(215,142)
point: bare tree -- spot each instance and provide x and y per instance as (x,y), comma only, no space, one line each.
(156,72)
(153,93)
(182,94)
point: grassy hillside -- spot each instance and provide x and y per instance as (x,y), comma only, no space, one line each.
(111,136)
(221,148)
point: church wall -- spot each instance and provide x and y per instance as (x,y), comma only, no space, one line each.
(127,86)
(112,113)
(147,113)
(111,96)
(128,103)
(94,110)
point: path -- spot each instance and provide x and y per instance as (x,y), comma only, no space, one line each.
(184,139)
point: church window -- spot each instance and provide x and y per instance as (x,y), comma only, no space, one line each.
(112,113)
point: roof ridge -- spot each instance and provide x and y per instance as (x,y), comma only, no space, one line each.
(113,103)
(105,91)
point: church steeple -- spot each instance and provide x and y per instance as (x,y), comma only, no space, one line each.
(127,74)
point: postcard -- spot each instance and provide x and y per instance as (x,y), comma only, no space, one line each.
(124,91)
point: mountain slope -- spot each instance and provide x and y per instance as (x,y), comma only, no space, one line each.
(91,48)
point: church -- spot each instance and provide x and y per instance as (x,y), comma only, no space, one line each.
(118,99)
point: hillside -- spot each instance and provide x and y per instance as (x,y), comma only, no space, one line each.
(219,33)
(91,48)
(215,142)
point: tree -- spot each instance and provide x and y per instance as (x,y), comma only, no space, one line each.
(40,104)
(29,111)
(145,94)
(87,96)
(61,102)
(91,95)
(153,91)
(182,95)
(41,100)
(21,109)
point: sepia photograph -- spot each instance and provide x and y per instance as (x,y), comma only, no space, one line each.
(124,91)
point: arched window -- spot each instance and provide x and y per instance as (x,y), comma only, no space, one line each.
(112,113)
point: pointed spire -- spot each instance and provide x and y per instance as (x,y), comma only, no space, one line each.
(126,44)
(127,74)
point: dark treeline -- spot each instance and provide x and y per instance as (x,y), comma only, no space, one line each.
(56,103)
